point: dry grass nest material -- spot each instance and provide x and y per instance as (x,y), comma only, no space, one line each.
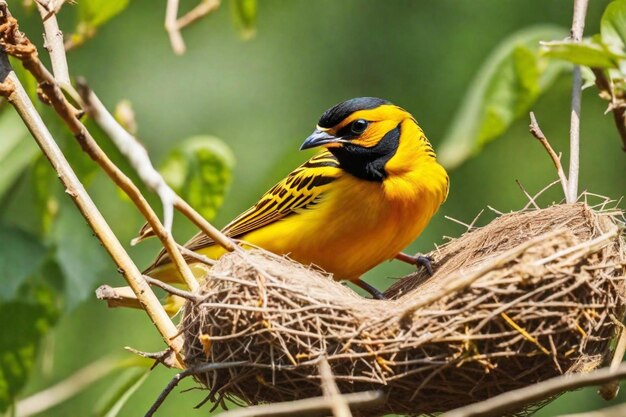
(528,297)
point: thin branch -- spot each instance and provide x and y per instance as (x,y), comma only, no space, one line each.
(18,45)
(578,25)
(340,406)
(13,90)
(53,42)
(512,400)
(609,390)
(172,290)
(184,374)
(130,147)
(202,9)
(535,130)
(65,389)
(317,406)
(171,26)
(118,297)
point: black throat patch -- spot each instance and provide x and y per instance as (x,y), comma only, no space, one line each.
(368,163)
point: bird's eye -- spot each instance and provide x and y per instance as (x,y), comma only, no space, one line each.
(358,126)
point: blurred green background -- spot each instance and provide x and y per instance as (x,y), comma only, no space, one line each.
(263,96)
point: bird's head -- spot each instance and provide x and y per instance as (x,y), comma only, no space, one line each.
(365,133)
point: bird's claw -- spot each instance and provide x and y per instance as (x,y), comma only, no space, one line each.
(425,261)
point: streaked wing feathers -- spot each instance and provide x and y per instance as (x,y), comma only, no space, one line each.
(298,191)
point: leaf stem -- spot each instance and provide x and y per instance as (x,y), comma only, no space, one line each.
(578,25)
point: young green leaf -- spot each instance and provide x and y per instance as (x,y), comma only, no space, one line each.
(200,170)
(79,254)
(505,88)
(91,15)
(21,254)
(244,14)
(17,149)
(23,324)
(589,53)
(613,26)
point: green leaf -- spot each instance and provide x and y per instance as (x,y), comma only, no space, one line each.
(81,258)
(200,170)
(244,14)
(613,26)
(91,15)
(21,254)
(17,149)
(589,53)
(95,13)
(505,88)
(23,324)
(120,391)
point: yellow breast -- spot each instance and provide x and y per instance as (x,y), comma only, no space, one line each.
(357,224)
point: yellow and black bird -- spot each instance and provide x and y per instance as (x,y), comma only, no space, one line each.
(361,200)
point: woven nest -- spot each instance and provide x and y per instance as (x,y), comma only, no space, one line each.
(530,296)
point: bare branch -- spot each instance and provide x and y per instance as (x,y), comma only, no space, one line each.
(130,147)
(19,46)
(318,406)
(184,374)
(118,297)
(578,25)
(340,407)
(12,89)
(204,8)
(171,289)
(171,26)
(535,130)
(512,400)
(53,42)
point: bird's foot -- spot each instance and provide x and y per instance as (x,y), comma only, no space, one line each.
(377,295)
(418,260)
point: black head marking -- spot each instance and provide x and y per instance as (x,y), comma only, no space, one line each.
(337,113)
(369,163)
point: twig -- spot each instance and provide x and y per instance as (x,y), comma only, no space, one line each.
(53,42)
(18,45)
(65,389)
(535,130)
(512,400)
(318,406)
(531,200)
(184,374)
(171,289)
(13,90)
(130,147)
(578,25)
(340,407)
(619,111)
(202,9)
(118,297)
(173,24)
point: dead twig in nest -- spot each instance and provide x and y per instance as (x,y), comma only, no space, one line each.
(535,130)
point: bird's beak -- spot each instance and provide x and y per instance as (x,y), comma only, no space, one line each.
(319,138)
